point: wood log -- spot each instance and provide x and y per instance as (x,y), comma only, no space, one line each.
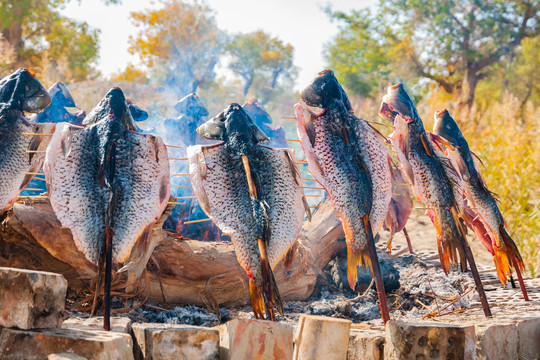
(195,272)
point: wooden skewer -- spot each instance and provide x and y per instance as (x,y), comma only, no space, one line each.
(179,186)
(292,140)
(402,184)
(174,146)
(309,187)
(180,174)
(302,162)
(182,159)
(314,207)
(307,179)
(175,203)
(186,197)
(29,189)
(395,194)
(38,178)
(33,173)
(36,151)
(36,197)
(313,195)
(289,117)
(36,134)
(196,221)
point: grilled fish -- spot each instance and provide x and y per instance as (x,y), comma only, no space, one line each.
(252,192)
(349,159)
(21,146)
(486,218)
(107,183)
(433,180)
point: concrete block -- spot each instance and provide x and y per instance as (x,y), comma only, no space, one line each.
(31,299)
(39,344)
(321,337)
(175,341)
(255,339)
(118,324)
(497,341)
(366,345)
(529,338)
(425,341)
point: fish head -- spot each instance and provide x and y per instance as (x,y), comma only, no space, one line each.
(191,105)
(397,103)
(325,92)
(22,91)
(60,95)
(233,126)
(113,107)
(446,126)
(257,112)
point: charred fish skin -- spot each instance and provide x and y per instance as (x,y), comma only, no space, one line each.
(430,176)
(20,154)
(339,157)
(251,192)
(488,224)
(326,92)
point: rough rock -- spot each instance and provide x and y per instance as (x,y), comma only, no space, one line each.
(321,337)
(428,341)
(175,341)
(38,344)
(118,324)
(255,339)
(497,341)
(529,338)
(31,299)
(366,345)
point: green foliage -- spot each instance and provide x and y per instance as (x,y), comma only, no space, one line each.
(33,34)
(180,44)
(452,43)
(262,61)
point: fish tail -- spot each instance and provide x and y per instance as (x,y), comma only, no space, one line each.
(270,290)
(515,256)
(257,300)
(355,258)
(502,263)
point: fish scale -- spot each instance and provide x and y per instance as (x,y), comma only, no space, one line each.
(14,160)
(140,185)
(222,181)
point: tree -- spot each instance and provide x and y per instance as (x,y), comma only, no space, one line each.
(180,44)
(258,55)
(34,34)
(131,73)
(452,43)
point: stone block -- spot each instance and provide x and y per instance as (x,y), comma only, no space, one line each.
(529,338)
(255,339)
(497,341)
(31,299)
(366,345)
(39,344)
(175,341)
(321,337)
(118,324)
(425,341)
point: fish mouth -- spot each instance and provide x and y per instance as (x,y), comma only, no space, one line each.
(311,98)
(386,111)
(441,114)
(210,131)
(37,102)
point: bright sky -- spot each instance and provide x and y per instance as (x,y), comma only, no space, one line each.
(302,23)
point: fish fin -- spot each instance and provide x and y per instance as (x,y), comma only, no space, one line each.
(269,288)
(439,140)
(376,130)
(295,172)
(461,233)
(443,247)
(66,142)
(289,256)
(345,135)
(257,300)
(426,143)
(310,129)
(502,264)
(477,157)
(515,256)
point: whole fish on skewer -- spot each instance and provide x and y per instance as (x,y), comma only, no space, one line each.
(350,160)
(483,214)
(22,142)
(253,193)
(107,183)
(434,181)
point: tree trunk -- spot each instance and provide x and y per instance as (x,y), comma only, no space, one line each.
(204,273)
(468,88)
(249,82)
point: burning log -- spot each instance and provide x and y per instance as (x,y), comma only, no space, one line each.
(204,273)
